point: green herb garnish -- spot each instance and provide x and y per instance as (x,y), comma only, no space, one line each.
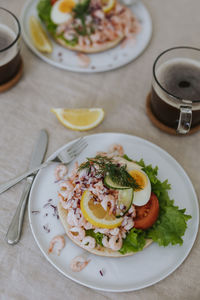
(106,166)
(127,158)
(81,10)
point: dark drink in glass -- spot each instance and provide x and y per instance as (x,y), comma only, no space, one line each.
(175,96)
(10,59)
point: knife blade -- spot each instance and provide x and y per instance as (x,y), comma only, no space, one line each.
(15,228)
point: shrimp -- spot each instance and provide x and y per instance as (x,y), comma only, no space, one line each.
(77,233)
(95,37)
(108,200)
(71,218)
(60,172)
(61,243)
(125,221)
(101,230)
(99,14)
(81,41)
(66,185)
(84,60)
(129,225)
(101,153)
(88,242)
(123,233)
(78,263)
(74,171)
(65,204)
(117,148)
(105,241)
(114,231)
(66,188)
(132,211)
(79,217)
(115,242)
(87,225)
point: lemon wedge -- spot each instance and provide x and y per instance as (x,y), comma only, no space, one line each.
(108,5)
(39,36)
(79,119)
(96,215)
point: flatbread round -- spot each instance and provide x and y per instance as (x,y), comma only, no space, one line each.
(98,250)
(92,49)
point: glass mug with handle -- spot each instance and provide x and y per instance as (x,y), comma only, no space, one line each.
(10,32)
(175,95)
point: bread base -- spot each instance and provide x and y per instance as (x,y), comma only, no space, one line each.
(98,250)
(90,49)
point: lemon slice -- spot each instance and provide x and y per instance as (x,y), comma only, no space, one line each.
(108,5)
(39,36)
(96,215)
(79,119)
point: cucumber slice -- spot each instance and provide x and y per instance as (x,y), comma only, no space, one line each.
(112,185)
(125,199)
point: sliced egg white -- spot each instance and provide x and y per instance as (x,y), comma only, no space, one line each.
(130,164)
(142,196)
(61,11)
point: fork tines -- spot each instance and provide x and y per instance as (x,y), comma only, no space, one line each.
(75,149)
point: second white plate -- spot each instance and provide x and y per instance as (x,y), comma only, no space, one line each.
(120,274)
(104,61)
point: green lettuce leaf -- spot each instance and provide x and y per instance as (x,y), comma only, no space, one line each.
(172,221)
(134,241)
(44,13)
(170,226)
(96,235)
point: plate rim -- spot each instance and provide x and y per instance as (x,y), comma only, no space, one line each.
(79,69)
(153,281)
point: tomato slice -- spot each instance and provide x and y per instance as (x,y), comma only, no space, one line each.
(147,214)
(53,2)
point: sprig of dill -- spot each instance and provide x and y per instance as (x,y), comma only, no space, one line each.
(81,10)
(117,173)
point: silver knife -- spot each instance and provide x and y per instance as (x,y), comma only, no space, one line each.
(14,230)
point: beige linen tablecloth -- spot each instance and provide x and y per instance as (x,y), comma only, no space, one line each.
(25,109)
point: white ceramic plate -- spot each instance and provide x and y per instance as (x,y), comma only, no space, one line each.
(127,273)
(100,62)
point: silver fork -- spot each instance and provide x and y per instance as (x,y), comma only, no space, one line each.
(65,156)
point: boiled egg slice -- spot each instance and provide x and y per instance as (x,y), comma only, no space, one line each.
(142,195)
(61,11)
(130,165)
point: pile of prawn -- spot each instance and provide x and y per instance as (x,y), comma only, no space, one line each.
(70,193)
(101,27)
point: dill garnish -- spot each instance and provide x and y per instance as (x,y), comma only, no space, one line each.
(81,10)
(106,166)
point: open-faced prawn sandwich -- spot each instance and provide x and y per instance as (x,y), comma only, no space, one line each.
(88,26)
(113,206)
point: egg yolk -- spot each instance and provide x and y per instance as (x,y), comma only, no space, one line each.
(66,6)
(140,178)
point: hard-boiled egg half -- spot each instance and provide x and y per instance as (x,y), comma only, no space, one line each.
(142,195)
(61,11)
